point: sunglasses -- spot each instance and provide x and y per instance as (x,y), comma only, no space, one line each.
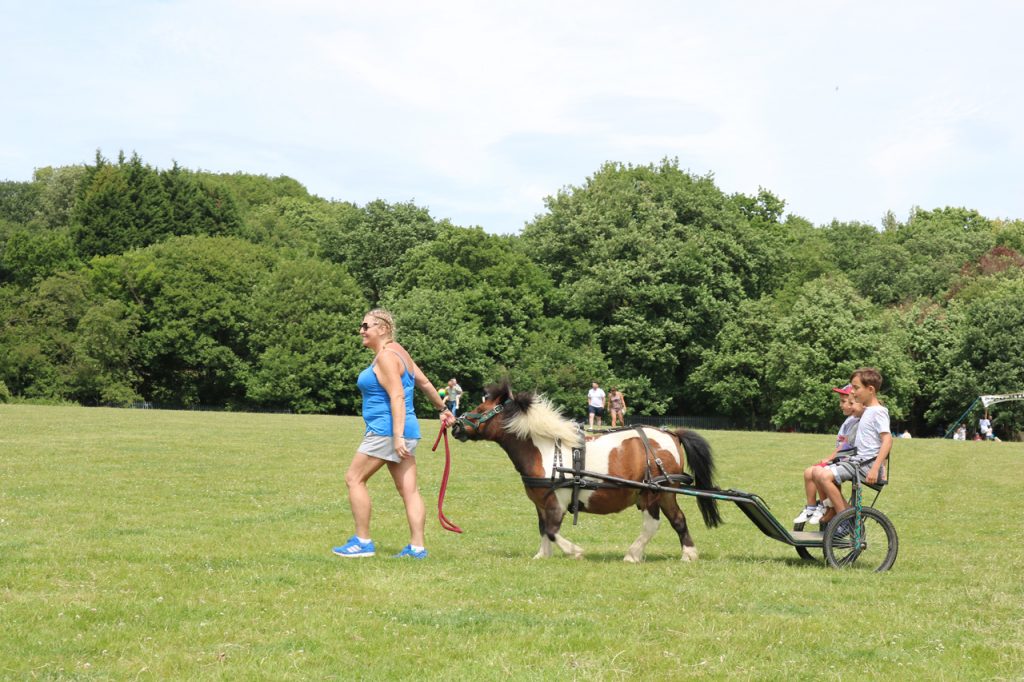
(364,326)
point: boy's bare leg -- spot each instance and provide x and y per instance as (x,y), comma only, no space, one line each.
(809,487)
(828,489)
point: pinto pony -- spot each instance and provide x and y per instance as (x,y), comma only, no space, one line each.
(536,438)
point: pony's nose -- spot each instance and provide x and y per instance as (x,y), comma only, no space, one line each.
(459,430)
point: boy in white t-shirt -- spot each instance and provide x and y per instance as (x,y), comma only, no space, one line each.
(873,443)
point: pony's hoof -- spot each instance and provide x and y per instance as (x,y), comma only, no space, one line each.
(689,554)
(630,559)
(578,556)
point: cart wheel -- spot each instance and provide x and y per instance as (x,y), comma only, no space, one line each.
(802,551)
(877,545)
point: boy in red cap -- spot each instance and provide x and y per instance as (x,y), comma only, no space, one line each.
(815,509)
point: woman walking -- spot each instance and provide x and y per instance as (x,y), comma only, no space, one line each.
(392,433)
(617,402)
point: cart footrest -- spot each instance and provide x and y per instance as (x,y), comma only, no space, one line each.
(802,536)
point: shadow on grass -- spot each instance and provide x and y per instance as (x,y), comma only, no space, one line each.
(817,563)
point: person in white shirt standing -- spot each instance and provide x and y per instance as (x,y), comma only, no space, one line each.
(595,404)
(985,427)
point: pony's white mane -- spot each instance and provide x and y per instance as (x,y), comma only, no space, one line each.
(543,420)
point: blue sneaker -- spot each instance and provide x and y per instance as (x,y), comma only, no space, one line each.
(354,548)
(408,551)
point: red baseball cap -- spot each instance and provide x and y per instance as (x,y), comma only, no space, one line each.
(845,390)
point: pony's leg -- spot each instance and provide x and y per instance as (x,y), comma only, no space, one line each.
(544,552)
(568,546)
(550,521)
(649,526)
(545,548)
(670,506)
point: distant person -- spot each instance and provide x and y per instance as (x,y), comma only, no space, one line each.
(617,407)
(392,433)
(873,443)
(595,404)
(960,433)
(454,396)
(815,508)
(985,427)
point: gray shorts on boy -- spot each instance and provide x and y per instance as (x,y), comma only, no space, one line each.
(845,470)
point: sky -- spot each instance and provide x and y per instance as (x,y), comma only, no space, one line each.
(478,111)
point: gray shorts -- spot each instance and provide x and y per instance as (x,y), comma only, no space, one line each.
(383,447)
(845,470)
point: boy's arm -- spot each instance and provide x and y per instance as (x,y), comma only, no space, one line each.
(883,453)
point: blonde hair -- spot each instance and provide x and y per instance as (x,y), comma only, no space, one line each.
(385,319)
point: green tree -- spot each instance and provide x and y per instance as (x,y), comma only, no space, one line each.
(59,190)
(985,355)
(305,318)
(375,243)
(733,372)
(504,293)
(829,332)
(193,295)
(197,207)
(19,201)
(37,334)
(30,255)
(122,206)
(104,366)
(656,258)
(301,227)
(247,191)
(562,358)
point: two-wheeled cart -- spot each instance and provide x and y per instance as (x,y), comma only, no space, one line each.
(859,534)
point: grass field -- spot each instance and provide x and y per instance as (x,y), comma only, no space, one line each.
(190,545)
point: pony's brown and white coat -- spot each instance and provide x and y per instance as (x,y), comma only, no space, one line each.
(537,437)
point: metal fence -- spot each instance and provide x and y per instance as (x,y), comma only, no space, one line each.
(705,423)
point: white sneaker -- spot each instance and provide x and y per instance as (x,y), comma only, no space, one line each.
(806,514)
(816,514)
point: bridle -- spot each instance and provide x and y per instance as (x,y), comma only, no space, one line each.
(476,419)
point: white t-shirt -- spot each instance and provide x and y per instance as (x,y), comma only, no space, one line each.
(873,423)
(984,425)
(844,431)
(595,396)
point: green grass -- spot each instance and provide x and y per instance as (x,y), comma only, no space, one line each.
(185,545)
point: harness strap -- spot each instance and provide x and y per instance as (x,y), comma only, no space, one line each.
(650,455)
(579,461)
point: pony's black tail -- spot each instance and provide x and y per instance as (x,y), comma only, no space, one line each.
(702,464)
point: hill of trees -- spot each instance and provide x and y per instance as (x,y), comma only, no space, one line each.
(122,282)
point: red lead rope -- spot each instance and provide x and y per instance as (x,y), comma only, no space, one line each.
(445,523)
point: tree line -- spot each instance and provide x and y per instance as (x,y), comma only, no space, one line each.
(122,282)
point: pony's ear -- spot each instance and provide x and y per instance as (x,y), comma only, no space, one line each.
(499,392)
(524,400)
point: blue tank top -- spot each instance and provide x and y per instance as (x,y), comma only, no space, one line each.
(377,402)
